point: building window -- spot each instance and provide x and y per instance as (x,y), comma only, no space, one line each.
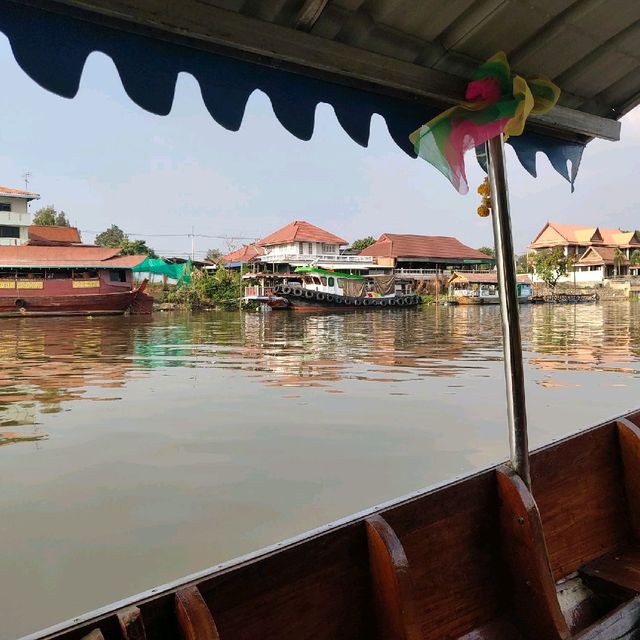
(118,275)
(5,206)
(9,232)
(310,248)
(328,248)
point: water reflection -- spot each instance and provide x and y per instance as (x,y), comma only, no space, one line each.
(49,362)
(149,448)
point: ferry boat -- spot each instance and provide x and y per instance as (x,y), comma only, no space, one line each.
(322,289)
(546,547)
(69,280)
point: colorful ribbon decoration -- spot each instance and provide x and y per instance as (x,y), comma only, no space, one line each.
(494,104)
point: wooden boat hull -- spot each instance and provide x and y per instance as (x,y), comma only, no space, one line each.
(308,300)
(67,305)
(481,557)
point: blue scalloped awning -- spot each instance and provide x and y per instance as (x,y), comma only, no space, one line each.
(52,49)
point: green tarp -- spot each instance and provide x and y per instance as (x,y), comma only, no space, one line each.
(179,272)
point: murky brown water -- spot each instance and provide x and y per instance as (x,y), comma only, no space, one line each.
(138,450)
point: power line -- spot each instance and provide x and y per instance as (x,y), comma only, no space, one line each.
(179,235)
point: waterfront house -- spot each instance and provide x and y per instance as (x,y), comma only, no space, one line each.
(14,215)
(599,253)
(417,256)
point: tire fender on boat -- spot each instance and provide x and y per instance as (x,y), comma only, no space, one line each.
(308,294)
(286,290)
(320,296)
(297,292)
(329,298)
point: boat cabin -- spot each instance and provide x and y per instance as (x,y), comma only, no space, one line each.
(345,284)
(482,288)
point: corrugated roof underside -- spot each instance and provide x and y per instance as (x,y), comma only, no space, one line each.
(590,48)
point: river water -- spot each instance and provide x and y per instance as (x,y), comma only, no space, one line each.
(137,450)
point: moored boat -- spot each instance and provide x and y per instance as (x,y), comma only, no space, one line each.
(481,287)
(68,280)
(325,289)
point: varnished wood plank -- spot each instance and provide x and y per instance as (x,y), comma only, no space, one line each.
(622,623)
(524,549)
(131,623)
(451,539)
(578,485)
(629,438)
(391,581)
(620,568)
(96,634)
(194,617)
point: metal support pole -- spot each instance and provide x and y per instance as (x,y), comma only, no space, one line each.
(507,282)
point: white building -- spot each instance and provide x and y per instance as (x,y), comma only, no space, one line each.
(15,218)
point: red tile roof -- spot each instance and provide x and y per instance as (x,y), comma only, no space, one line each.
(394,245)
(53,235)
(299,230)
(62,256)
(18,193)
(243,254)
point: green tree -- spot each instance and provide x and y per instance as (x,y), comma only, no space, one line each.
(488,251)
(114,236)
(635,257)
(619,258)
(523,263)
(49,217)
(214,255)
(362,243)
(137,248)
(551,264)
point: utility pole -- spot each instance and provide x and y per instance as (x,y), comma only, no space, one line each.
(193,244)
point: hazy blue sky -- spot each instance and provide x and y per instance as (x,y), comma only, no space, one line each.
(105,161)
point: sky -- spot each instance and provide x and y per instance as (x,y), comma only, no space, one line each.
(104,161)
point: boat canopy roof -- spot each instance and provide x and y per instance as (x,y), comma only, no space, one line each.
(327,272)
(483,277)
(400,59)
(52,257)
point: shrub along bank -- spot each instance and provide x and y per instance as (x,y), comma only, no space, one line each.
(221,288)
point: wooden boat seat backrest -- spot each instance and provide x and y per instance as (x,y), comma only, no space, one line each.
(452,541)
(578,485)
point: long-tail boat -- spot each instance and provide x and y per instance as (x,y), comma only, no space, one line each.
(546,546)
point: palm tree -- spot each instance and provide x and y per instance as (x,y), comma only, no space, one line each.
(618,259)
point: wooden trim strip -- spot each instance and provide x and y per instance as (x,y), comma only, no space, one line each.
(629,439)
(194,618)
(392,587)
(131,624)
(524,550)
